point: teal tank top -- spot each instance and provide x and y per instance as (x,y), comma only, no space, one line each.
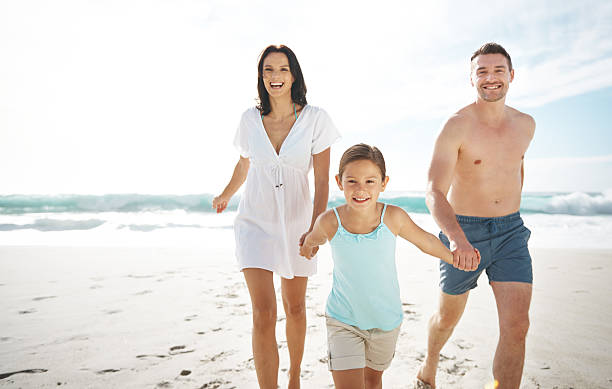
(365,291)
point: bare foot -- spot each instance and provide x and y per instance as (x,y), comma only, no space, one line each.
(427,374)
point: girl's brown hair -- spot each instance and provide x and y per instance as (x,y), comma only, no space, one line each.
(361,152)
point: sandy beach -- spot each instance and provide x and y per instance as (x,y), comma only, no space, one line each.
(115,317)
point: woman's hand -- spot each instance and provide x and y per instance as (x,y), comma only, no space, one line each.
(307,251)
(220,203)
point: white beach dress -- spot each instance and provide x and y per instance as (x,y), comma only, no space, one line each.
(275,208)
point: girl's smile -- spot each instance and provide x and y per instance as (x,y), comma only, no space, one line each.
(362,183)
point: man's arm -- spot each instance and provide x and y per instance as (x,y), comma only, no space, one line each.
(441,172)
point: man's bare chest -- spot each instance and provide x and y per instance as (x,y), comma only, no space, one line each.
(482,149)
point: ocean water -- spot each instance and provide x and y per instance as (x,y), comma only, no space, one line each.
(572,220)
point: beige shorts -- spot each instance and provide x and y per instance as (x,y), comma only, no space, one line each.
(353,348)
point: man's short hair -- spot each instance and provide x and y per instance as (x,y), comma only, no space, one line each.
(492,48)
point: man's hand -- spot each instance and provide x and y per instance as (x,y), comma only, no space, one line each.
(465,256)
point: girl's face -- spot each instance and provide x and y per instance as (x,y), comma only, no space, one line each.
(361,183)
(277,75)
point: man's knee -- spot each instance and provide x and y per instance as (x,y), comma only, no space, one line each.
(445,320)
(516,329)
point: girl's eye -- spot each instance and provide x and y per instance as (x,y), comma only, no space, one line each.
(371,182)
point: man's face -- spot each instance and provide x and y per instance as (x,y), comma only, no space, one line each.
(491,76)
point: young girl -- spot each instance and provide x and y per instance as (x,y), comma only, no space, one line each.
(364,310)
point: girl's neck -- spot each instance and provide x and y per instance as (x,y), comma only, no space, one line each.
(364,216)
(281,107)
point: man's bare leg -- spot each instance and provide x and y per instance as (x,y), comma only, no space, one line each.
(294,302)
(513,300)
(265,351)
(441,326)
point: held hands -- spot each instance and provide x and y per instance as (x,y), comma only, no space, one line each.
(220,203)
(305,249)
(465,256)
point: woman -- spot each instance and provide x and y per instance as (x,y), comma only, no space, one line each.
(279,141)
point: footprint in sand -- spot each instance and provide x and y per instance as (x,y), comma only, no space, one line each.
(458,368)
(174,350)
(4,339)
(143,292)
(191,317)
(164,384)
(145,356)
(96,286)
(105,371)
(597,268)
(43,298)
(215,384)
(217,357)
(112,311)
(26,311)
(28,371)
(462,344)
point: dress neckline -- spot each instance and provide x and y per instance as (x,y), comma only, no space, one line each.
(297,119)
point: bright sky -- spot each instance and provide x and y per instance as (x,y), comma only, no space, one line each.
(145,96)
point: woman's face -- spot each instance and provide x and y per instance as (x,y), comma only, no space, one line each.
(277,75)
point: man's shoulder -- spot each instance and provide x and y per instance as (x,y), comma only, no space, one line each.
(459,122)
(524,121)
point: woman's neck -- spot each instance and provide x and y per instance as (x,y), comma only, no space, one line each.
(281,107)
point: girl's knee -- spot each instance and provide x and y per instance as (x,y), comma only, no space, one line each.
(373,379)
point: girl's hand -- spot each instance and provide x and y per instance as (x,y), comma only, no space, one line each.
(220,203)
(308,251)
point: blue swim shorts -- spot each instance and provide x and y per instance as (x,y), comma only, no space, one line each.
(504,254)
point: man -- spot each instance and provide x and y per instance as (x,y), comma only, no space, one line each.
(478,163)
